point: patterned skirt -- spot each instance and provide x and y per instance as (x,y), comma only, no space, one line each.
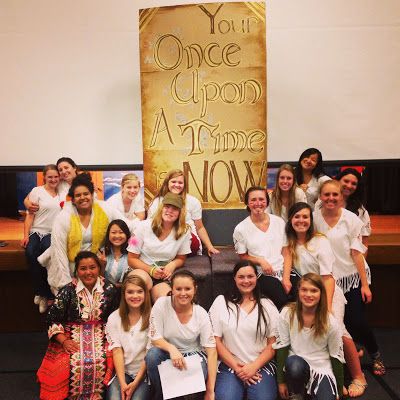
(89,369)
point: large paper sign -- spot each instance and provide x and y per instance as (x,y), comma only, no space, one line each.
(203,81)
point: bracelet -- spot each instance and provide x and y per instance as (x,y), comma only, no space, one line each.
(152,271)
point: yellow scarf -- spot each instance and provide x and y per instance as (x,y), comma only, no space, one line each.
(99,228)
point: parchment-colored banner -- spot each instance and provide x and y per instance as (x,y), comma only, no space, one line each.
(203,80)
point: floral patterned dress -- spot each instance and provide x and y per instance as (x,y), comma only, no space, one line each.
(80,315)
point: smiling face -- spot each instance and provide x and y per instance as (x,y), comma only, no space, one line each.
(170,213)
(82,199)
(246,280)
(285,180)
(67,171)
(88,271)
(301,221)
(309,295)
(130,190)
(176,184)
(331,196)
(183,290)
(310,162)
(134,296)
(117,236)
(257,202)
(349,184)
(51,178)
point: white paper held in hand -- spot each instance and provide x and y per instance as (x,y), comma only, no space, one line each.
(176,382)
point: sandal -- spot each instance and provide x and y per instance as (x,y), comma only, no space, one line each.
(357,388)
(378,367)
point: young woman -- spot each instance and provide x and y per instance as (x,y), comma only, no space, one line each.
(286,192)
(160,245)
(175,182)
(75,364)
(115,254)
(353,199)
(178,328)
(312,252)
(244,326)
(126,331)
(37,232)
(309,345)
(261,238)
(310,174)
(343,229)
(129,202)
(68,170)
(81,225)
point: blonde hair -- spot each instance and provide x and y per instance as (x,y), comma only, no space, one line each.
(276,196)
(180,224)
(145,308)
(331,182)
(129,178)
(321,319)
(49,167)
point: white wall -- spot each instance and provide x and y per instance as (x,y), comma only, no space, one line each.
(69,79)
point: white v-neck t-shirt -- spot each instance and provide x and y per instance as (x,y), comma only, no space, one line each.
(248,238)
(239,335)
(152,249)
(193,336)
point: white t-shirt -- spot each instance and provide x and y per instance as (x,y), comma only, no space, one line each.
(316,351)
(312,191)
(299,196)
(49,208)
(249,239)
(240,334)
(318,257)
(362,214)
(63,189)
(193,213)
(193,336)
(137,205)
(133,342)
(343,237)
(152,249)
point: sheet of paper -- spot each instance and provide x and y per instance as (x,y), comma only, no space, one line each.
(177,382)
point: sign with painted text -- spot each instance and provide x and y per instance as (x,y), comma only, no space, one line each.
(203,83)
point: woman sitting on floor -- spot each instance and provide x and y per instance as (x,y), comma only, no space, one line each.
(180,328)
(127,330)
(309,345)
(75,366)
(244,325)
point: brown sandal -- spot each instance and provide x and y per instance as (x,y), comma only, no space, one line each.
(378,368)
(357,388)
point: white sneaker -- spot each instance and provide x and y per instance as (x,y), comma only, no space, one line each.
(43,305)
(36,300)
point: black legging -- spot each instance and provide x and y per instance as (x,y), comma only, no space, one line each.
(273,289)
(356,321)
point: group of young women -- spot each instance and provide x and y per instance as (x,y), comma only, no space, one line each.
(287,251)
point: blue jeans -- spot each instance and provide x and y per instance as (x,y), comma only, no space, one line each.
(34,249)
(229,387)
(154,358)
(297,374)
(142,392)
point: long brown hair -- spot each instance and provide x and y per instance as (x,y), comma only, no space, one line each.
(321,319)
(172,174)
(291,233)
(180,224)
(145,308)
(276,196)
